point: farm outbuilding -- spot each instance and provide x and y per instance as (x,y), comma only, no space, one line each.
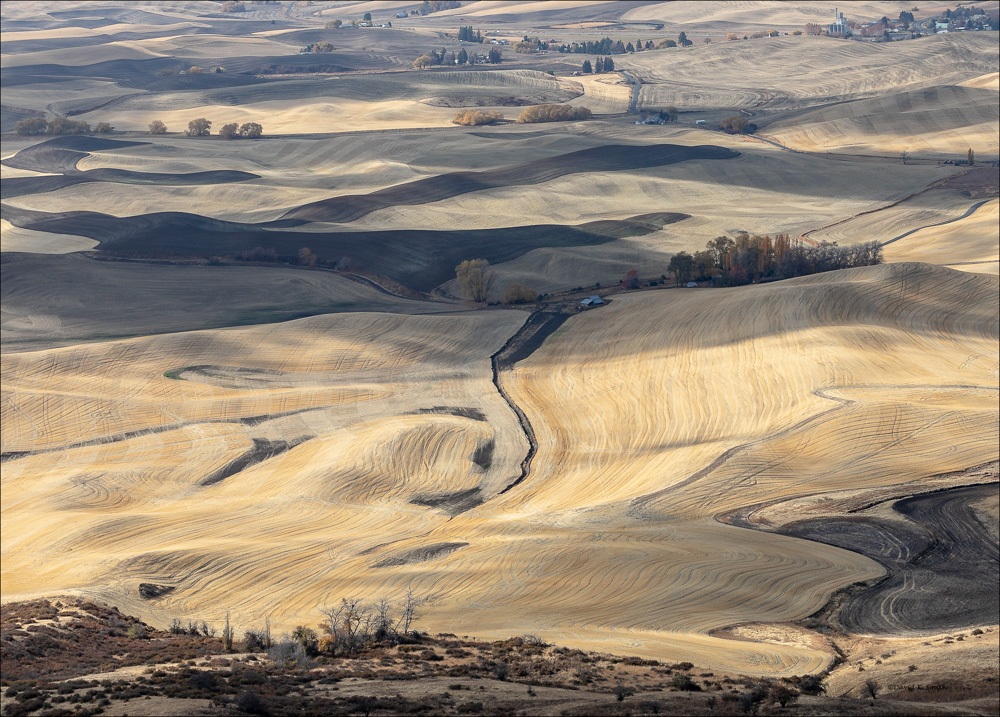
(591,301)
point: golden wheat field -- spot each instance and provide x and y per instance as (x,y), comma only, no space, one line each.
(610,543)
(251,373)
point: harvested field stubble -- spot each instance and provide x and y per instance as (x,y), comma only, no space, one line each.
(609,542)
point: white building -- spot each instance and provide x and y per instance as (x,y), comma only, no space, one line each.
(839,24)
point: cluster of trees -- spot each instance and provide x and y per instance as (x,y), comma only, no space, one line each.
(737,124)
(475,279)
(553,113)
(248,130)
(32,126)
(530,44)
(518,293)
(601,65)
(474,118)
(429,6)
(604,46)
(607,46)
(434,57)
(233,6)
(319,47)
(747,258)
(202,127)
(467,34)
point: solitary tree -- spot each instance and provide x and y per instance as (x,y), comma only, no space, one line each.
(200,127)
(904,155)
(971,157)
(157,127)
(251,130)
(475,278)
(495,56)
(334,24)
(229,131)
(423,61)
(681,264)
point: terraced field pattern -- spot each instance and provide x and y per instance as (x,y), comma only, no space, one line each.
(241,376)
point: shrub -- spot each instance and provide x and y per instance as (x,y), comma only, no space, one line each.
(518,293)
(474,118)
(31,126)
(157,127)
(553,113)
(251,703)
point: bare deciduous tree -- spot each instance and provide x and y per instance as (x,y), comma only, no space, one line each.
(475,278)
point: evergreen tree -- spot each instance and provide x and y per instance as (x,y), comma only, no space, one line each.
(609,64)
(463,56)
(630,47)
(599,65)
(587,69)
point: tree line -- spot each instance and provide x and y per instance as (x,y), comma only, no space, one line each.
(553,113)
(751,258)
(494,57)
(32,126)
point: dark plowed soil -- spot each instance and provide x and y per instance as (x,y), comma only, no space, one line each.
(261,451)
(606,158)
(942,562)
(20,186)
(419,555)
(62,154)
(417,259)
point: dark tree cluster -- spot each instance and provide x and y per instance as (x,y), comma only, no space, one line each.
(466,33)
(604,46)
(440,57)
(319,47)
(429,6)
(600,66)
(737,124)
